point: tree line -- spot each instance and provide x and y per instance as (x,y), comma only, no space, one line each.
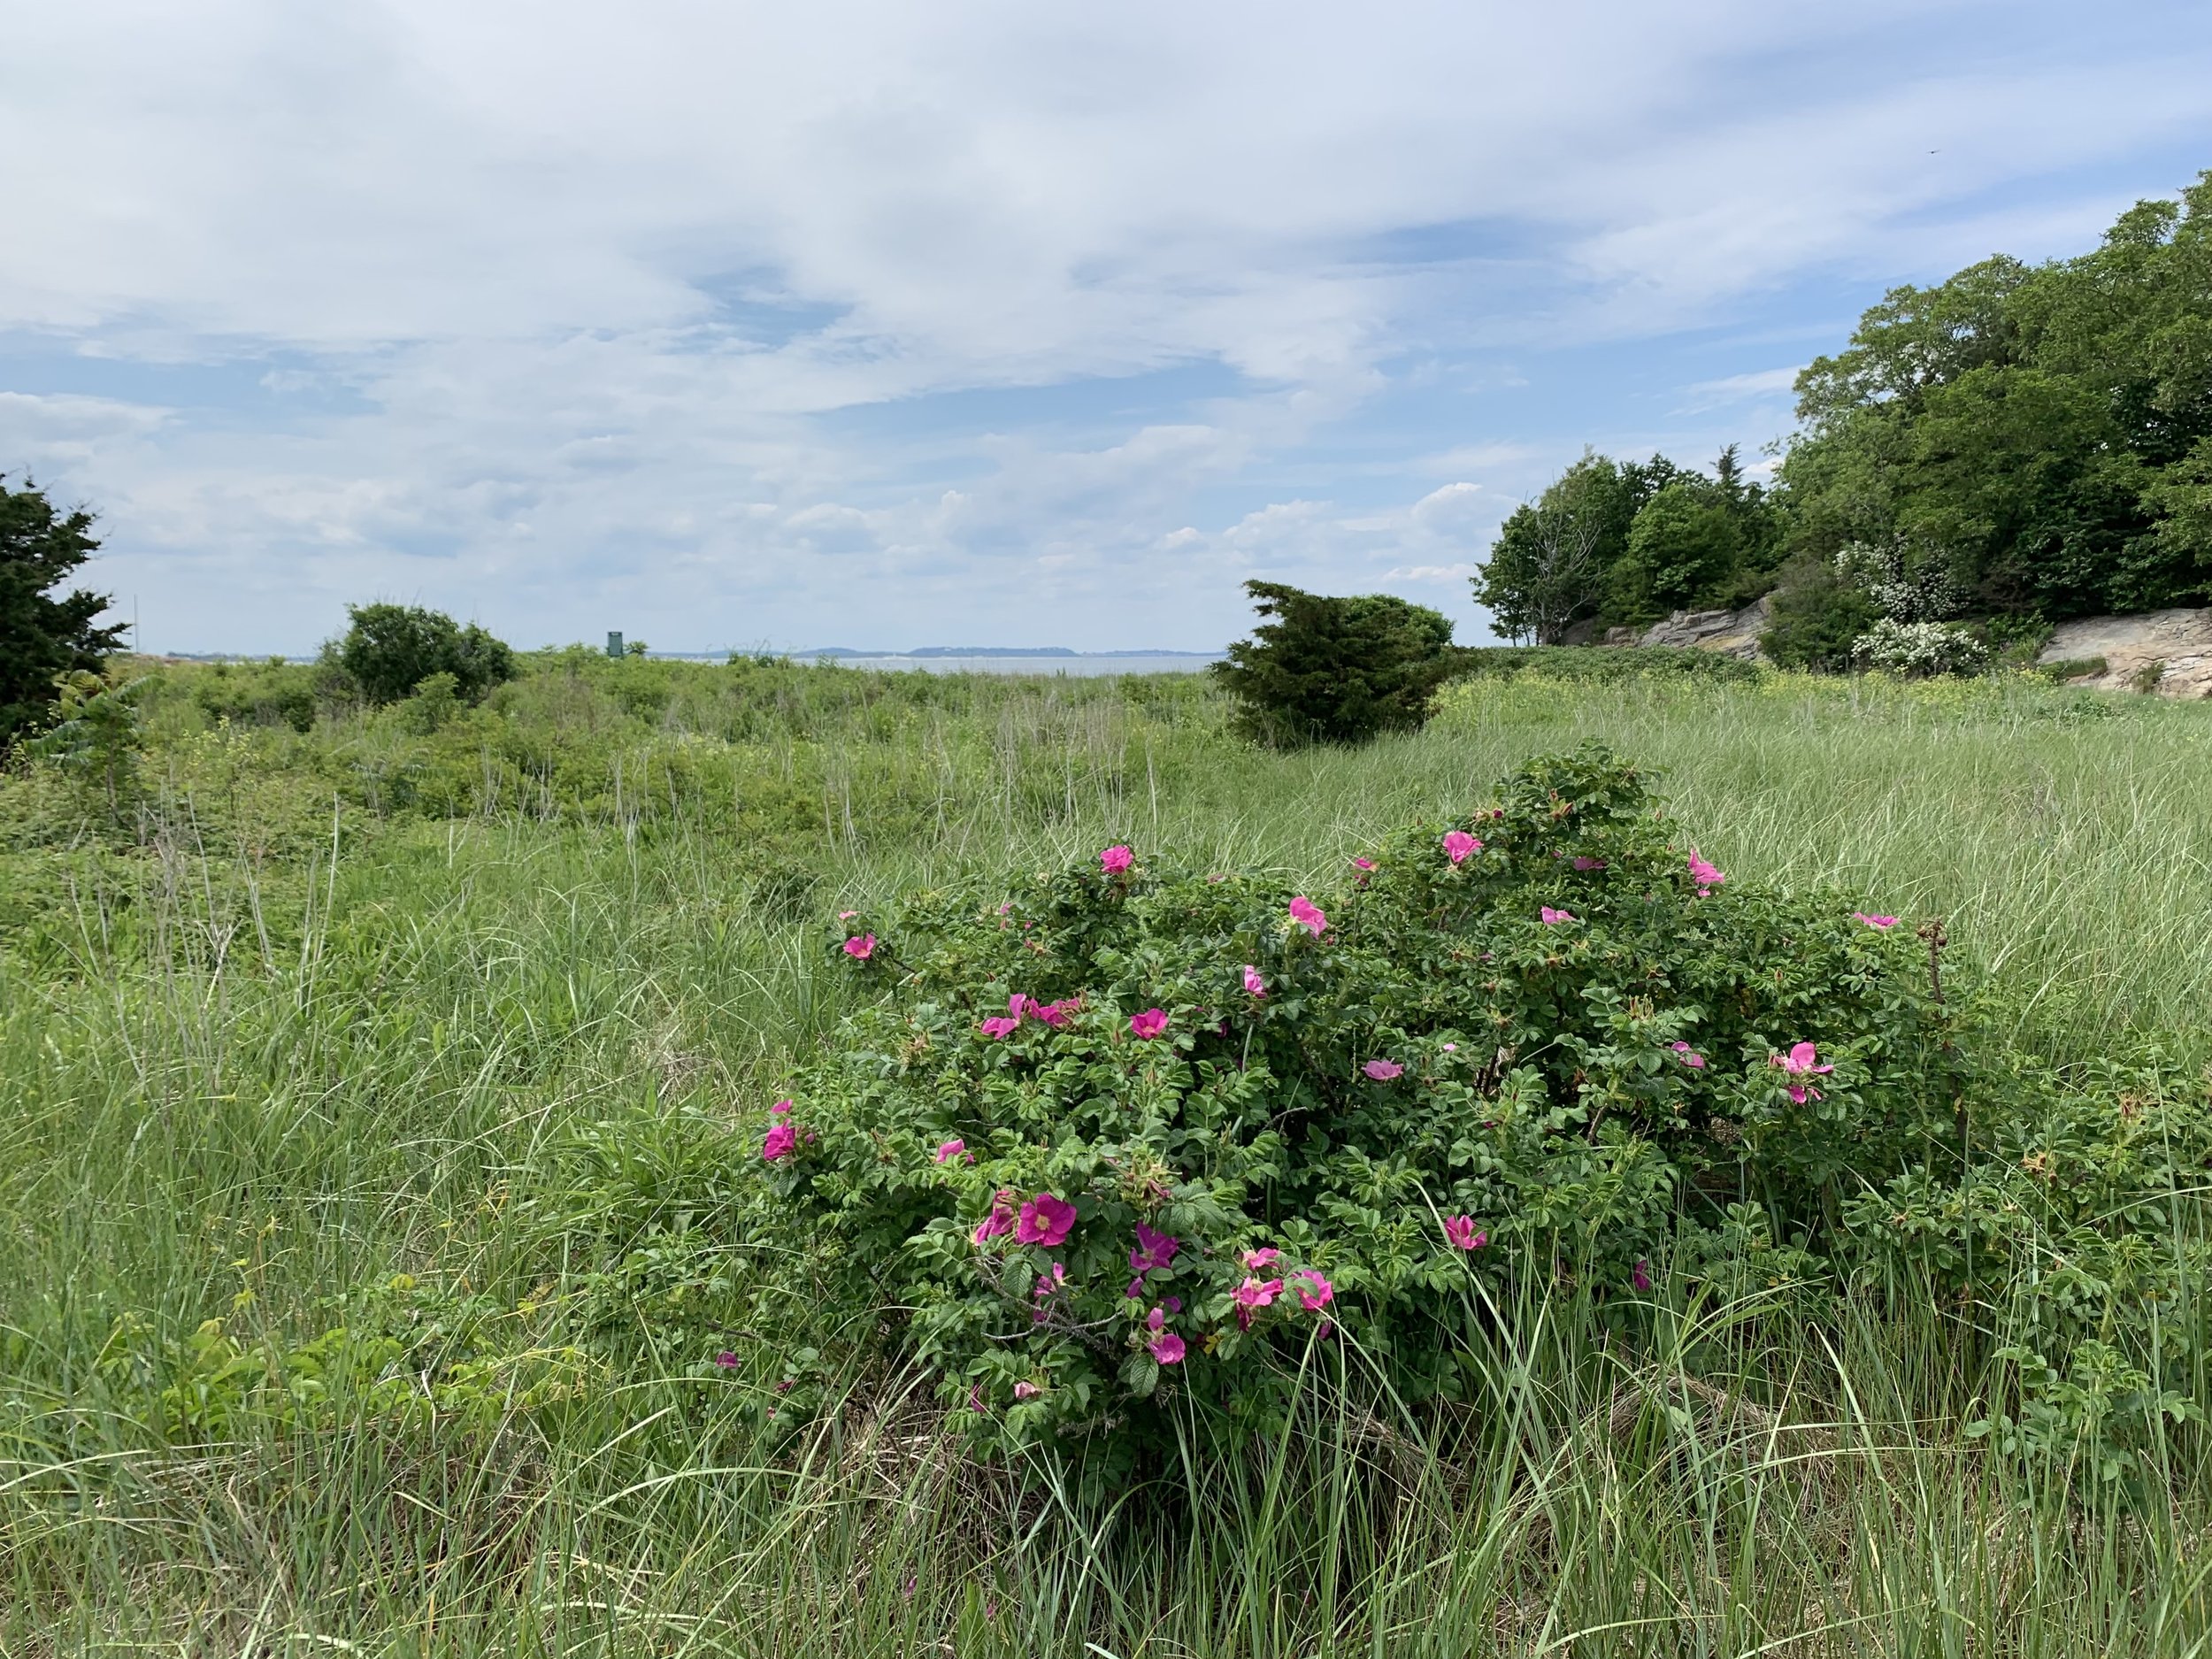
(2004,451)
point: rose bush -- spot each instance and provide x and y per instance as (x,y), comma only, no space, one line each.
(1127,1134)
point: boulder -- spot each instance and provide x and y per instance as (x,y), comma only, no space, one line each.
(2129,646)
(1732,633)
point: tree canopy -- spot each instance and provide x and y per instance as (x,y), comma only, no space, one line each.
(2029,441)
(390,649)
(1332,669)
(44,636)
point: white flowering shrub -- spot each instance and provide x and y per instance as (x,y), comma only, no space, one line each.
(1920,649)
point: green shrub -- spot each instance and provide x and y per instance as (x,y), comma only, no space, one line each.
(1335,670)
(1548,1031)
(1604,665)
(2073,668)
(390,649)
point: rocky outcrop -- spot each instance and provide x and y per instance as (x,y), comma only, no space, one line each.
(1732,633)
(2166,651)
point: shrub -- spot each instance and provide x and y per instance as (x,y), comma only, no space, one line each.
(1606,664)
(1335,670)
(1920,647)
(390,649)
(1129,1136)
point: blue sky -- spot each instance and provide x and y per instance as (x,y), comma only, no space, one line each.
(975,323)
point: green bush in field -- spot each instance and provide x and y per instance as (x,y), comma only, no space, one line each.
(1605,664)
(1330,669)
(1127,1140)
(1128,1135)
(390,649)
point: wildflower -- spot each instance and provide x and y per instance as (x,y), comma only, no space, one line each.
(1154,1250)
(1703,874)
(1363,864)
(1114,860)
(1451,1048)
(1053,1014)
(1315,1292)
(1254,1260)
(726,1360)
(1173,1304)
(998,1026)
(1690,1056)
(1135,1293)
(1383,1071)
(1325,1329)
(1253,984)
(1167,1347)
(1154,1320)
(1874,921)
(1585,862)
(1148,1024)
(1026,1390)
(782,1140)
(779,1109)
(913,1578)
(1799,1062)
(1551,916)
(1642,1275)
(1459,1232)
(1252,1294)
(1307,915)
(1000,1220)
(1458,844)
(861,946)
(784,1387)
(951,1150)
(1045,1219)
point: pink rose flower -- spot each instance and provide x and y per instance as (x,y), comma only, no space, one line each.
(1153,1251)
(1307,915)
(781,1141)
(1551,916)
(1315,1292)
(1114,860)
(951,1150)
(1703,874)
(1383,1071)
(1026,1390)
(1458,844)
(998,1026)
(1045,1219)
(1167,1348)
(1459,1232)
(1641,1277)
(1690,1056)
(861,946)
(1148,1024)
(779,1109)
(1000,1220)
(1874,921)
(1253,984)
(1254,1260)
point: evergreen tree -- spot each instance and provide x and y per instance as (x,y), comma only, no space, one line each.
(43,637)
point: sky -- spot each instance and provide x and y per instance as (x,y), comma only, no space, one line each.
(972,323)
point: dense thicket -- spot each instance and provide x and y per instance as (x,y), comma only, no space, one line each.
(2019,441)
(44,636)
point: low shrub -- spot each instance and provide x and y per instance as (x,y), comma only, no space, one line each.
(1128,1136)
(1920,647)
(1605,664)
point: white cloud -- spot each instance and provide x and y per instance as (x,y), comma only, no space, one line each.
(695,313)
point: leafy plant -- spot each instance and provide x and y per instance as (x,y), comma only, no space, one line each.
(1127,1136)
(1920,647)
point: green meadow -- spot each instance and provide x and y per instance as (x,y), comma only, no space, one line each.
(373,1087)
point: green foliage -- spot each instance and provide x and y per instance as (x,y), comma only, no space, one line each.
(43,637)
(1605,664)
(95,741)
(2042,430)
(1334,670)
(390,649)
(274,693)
(1818,617)
(1566,1032)
(1920,647)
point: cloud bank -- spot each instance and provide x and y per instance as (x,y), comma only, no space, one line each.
(883,325)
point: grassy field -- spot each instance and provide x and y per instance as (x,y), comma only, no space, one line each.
(445,1019)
